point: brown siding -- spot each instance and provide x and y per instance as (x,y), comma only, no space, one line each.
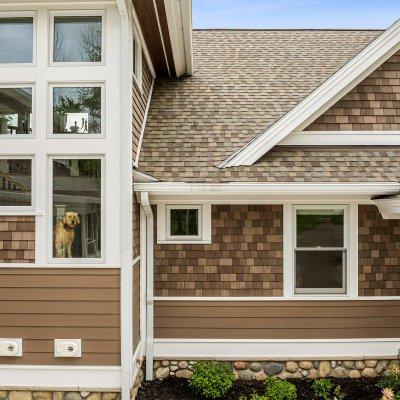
(277,319)
(136,228)
(136,305)
(245,257)
(40,305)
(372,105)
(17,239)
(140,100)
(379,254)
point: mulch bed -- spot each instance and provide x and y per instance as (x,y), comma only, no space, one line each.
(178,389)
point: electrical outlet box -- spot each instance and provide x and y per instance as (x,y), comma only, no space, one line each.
(10,347)
(67,348)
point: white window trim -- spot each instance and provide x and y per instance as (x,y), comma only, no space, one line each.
(23,14)
(77,13)
(50,227)
(138,77)
(316,292)
(21,210)
(51,134)
(163,224)
(33,114)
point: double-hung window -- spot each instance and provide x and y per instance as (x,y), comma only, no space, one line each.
(320,249)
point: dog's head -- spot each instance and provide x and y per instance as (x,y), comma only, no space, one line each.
(71,219)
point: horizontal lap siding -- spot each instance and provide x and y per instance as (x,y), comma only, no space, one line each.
(17,239)
(378,253)
(140,100)
(277,319)
(40,305)
(372,105)
(245,257)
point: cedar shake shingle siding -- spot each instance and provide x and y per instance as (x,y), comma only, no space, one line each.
(140,100)
(17,239)
(245,257)
(373,105)
(379,253)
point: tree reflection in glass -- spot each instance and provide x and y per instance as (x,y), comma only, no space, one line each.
(77,110)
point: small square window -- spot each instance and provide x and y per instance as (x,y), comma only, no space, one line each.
(184,223)
(15,182)
(77,39)
(320,252)
(77,208)
(77,110)
(15,110)
(16,40)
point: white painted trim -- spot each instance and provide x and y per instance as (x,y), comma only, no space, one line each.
(163,224)
(146,113)
(62,377)
(234,349)
(144,200)
(338,297)
(161,37)
(138,61)
(342,138)
(143,280)
(389,208)
(254,188)
(352,267)
(77,13)
(317,102)
(59,266)
(288,282)
(141,177)
(135,261)
(136,362)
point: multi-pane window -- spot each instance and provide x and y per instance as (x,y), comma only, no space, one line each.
(320,250)
(15,182)
(77,208)
(16,40)
(77,39)
(15,110)
(77,109)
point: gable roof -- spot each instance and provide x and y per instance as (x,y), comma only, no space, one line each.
(244,81)
(320,99)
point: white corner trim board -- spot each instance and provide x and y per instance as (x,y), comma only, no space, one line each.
(71,377)
(268,349)
(323,97)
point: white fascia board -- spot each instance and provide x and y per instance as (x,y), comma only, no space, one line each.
(268,189)
(179,20)
(79,378)
(342,138)
(389,208)
(290,349)
(322,98)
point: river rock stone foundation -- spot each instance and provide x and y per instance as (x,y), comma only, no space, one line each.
(367,368)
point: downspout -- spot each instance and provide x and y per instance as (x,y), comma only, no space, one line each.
(144,200)
(126,205)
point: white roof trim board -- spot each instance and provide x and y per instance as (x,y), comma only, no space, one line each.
(321,99)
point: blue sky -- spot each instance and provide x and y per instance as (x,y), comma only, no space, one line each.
(295,13)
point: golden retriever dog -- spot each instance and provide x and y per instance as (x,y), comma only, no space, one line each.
(64,233)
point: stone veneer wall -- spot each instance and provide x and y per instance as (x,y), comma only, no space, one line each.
(245,257)
(378,253)
(286,369)
(17,239)
(372,105)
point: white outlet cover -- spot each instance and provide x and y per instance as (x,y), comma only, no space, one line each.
(67,348)
(6,343)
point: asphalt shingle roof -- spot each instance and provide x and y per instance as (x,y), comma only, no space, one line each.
(244,81)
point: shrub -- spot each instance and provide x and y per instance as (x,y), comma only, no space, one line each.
(212,379)
(277,389)
(391,381)
(338,394)
(322,388)
(254,396)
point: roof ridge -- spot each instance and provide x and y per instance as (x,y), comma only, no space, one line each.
(292,29)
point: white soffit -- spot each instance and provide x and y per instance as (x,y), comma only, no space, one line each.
(322,98)
(389,208)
